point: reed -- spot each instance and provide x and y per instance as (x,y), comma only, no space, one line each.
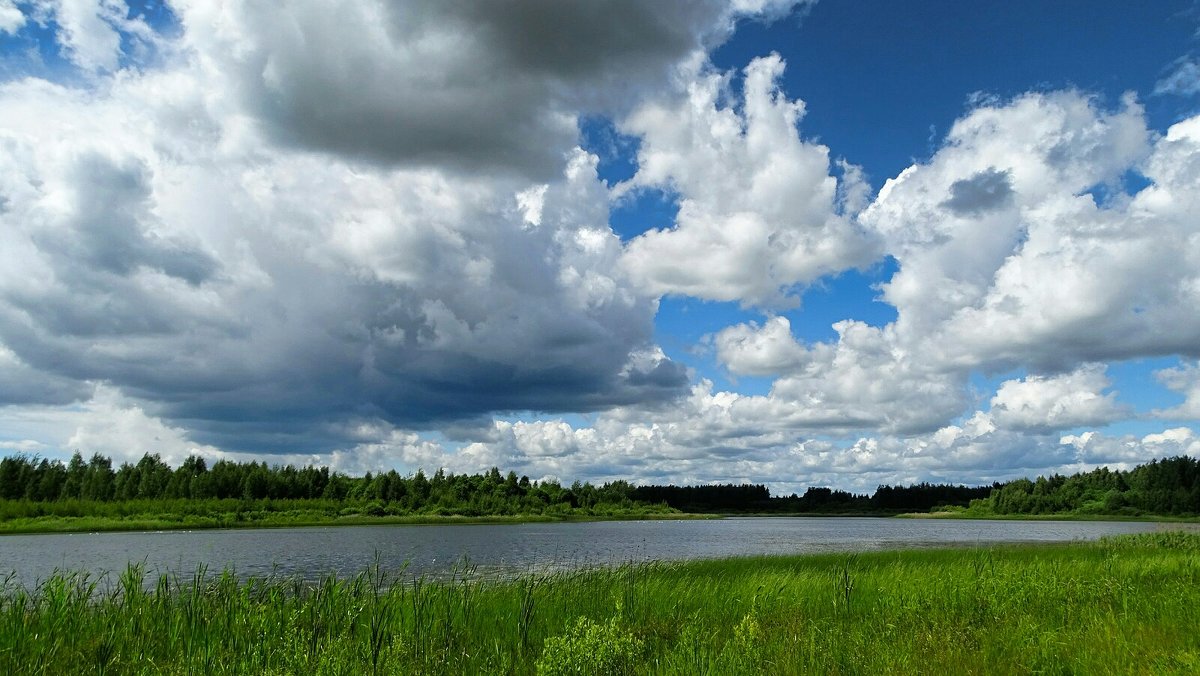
(1120,605)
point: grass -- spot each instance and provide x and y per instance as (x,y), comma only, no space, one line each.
(1121,605)
(265,514)
(988,515)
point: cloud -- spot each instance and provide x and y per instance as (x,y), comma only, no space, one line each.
(1060,401)
(1183,80)
(1006,261)
(266,299)
(1184,379)
(759,212)
(861,381)
(473,86)
(101,421)
(22,385)
(1128,450)
(1055,278)
(122,430)
(987,190)
(766,350)
(718,437)
(11,17)
(90,32)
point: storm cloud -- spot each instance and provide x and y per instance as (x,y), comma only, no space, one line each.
(492,86)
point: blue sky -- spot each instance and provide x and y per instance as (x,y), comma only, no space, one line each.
(793,242)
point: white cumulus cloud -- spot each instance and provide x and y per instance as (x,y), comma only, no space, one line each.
(759,212)
(1057,402)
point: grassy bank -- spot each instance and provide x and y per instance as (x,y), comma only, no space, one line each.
(1061,516)
(1124,605)
(89,517)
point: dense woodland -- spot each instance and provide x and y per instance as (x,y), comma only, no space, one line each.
(749,498)
(1170,486)
(23,478)
(1167,486)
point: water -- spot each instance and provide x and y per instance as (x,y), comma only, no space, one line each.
(505,549)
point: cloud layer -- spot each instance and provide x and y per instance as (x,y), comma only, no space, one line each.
(365,233)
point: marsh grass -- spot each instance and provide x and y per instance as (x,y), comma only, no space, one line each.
(1122,605)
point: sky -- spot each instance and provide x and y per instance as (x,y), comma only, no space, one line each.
(793,242)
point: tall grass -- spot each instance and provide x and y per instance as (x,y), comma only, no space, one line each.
(1123,605)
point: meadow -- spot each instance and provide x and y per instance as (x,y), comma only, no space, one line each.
(1128,604)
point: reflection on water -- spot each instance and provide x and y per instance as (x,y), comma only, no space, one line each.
(505,550)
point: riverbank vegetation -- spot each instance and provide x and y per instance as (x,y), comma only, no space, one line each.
(1122,605)
(40,495)
(1170,486)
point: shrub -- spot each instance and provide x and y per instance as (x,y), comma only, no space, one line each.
(590,648)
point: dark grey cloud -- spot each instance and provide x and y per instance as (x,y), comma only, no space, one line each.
(297,384)
(985,191)
(472,85)
(452,310)
(111,230)
(573,40)
(20,384)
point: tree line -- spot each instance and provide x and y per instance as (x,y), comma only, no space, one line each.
(1170,486)
(756,498)
(32,479)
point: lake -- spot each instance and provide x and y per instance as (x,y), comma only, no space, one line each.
(508,549)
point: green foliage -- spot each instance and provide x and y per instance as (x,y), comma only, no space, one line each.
(45,495)
(590,649)
(41,495)
(744,654)
(1170,486)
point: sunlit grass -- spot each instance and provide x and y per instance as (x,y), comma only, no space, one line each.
(1122,605)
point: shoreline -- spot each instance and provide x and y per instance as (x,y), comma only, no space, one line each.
(69,525)
(78,525)
(1141,518)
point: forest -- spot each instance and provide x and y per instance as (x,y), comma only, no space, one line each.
(42,482)
(1169,486)
(33,487)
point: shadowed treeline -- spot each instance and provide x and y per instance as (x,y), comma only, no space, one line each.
(236,492)
(33,487)
(749,498)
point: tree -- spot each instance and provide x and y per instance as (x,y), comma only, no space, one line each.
(76,475)
(99,483)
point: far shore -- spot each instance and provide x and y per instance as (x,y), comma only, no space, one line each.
(968,516)
(52,525)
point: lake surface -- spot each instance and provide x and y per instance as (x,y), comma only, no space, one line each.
(506,549)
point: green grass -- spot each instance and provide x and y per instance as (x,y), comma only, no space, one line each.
(970,515)
(1123,605)
(153,515)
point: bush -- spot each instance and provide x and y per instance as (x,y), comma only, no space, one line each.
(744,654)
(590,648)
